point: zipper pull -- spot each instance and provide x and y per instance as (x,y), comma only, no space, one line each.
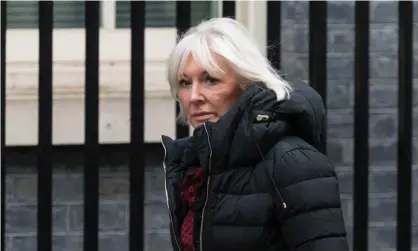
(261,117)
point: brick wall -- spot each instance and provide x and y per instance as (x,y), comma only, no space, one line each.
(383,104)
(21,180)
(21,190)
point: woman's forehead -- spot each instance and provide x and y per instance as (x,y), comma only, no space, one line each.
(196,66)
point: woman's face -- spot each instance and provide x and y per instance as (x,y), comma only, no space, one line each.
(203,97)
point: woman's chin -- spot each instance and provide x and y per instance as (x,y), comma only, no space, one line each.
(197,123)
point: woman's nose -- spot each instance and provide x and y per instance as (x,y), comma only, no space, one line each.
(196,93)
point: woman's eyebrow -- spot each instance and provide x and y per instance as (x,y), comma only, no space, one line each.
(204,73)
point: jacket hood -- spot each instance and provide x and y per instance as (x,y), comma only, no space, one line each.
(238,137)
(305,112)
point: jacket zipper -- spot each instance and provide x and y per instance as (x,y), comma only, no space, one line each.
(207,189)
(166,195)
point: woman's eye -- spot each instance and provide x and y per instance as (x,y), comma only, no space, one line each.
(183,83)
(212,80)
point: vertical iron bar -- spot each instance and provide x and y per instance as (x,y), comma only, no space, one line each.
(137,163)
(183,23)
(44,225)
(3,120)
(318,46)
(361,127)
(91,147)
(405,64)
(318,53)
(228,9)
(274,32)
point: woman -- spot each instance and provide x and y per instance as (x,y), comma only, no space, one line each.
(250,177)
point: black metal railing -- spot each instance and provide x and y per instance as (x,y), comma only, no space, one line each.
(137,148)
(405,66)
(361,126)
(317,78)
(44,165)
(91,132)
(318,52)
(3,122)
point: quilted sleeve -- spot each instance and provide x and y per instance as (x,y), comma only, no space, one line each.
(312,219)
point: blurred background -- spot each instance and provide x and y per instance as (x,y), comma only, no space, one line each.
(21,124)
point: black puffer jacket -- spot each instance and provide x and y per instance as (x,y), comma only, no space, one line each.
(269,188)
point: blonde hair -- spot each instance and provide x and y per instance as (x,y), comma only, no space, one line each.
(232,41)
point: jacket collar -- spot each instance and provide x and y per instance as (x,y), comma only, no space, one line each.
(253,125)
(233,140)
